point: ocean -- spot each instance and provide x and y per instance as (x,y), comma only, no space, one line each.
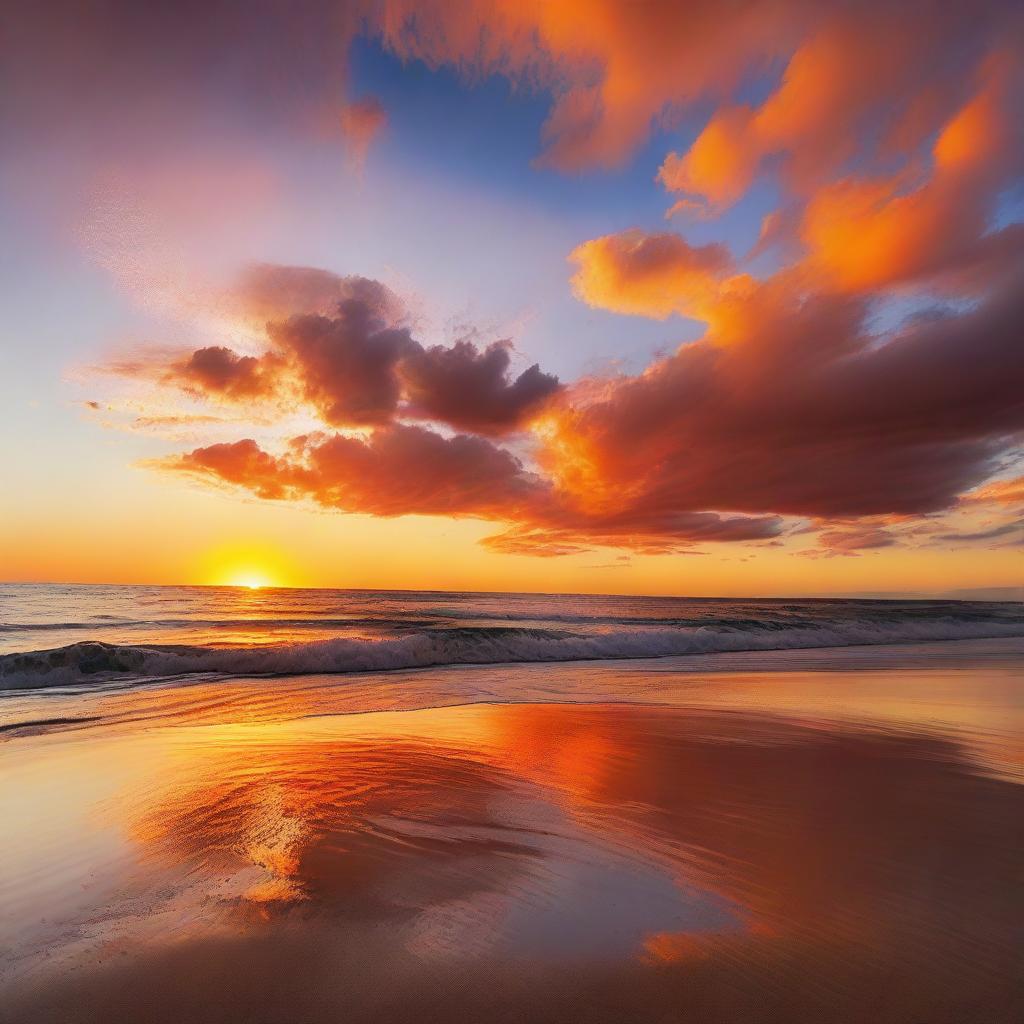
(54,635)
(310,806)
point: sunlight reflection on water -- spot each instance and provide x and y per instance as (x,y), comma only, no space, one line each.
(757,844)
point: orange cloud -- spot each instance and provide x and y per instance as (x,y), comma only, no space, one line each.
(397,470)
(721,163)
(805,414)
(405,470)
(858,234)
(1000,492)
(894,133)
(863,234)
(615,68)
(788,407)
(869,86)
(652,275)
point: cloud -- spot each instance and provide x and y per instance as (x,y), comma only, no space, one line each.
(408,470)
(563,529)
(1012,530)
(614,68)
(397,470)
(864,87)
(219,371)
(133,75)
(652,275)
(237,462)
(857,235)
(270,291)
(866,233)
(790,406)
(345,364)
(719,166)
(848,540)
(362,121)
(999,492)
(471,389)
(340,346)
(688,206)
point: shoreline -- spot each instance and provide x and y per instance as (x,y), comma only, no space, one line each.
(124,679)
(984,676)
(789,844)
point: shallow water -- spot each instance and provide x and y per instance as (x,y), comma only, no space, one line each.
(800,836)
(69,635)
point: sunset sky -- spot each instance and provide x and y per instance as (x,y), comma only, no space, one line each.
(633,297)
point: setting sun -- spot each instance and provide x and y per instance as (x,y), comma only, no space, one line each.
(246,564)
(251,580)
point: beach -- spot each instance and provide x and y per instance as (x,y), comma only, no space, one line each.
(806,835)
(512,513)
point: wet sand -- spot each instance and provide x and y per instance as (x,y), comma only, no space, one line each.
(831,844)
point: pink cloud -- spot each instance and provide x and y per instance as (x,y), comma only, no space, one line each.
(362,121)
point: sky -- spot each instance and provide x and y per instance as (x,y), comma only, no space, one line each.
(664,298)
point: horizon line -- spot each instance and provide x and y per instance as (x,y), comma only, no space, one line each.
(865,595)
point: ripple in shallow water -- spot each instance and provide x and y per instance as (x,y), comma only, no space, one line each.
(541,862)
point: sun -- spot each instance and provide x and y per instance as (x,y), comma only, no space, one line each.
(250,580)
(244,565)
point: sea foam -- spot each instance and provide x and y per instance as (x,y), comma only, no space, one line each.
(92,661)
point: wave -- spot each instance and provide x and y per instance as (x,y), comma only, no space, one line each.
(793,616)
(252,622)
(94,661)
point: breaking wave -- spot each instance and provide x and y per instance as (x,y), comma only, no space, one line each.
(93,661)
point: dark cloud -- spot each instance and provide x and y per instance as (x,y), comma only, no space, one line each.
(340,345)
(120,73)
(345,364)
(219,371)
(789,406)
(993,533)
(471,389)
(801,411)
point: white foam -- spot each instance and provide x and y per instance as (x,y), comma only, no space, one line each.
(86,662)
